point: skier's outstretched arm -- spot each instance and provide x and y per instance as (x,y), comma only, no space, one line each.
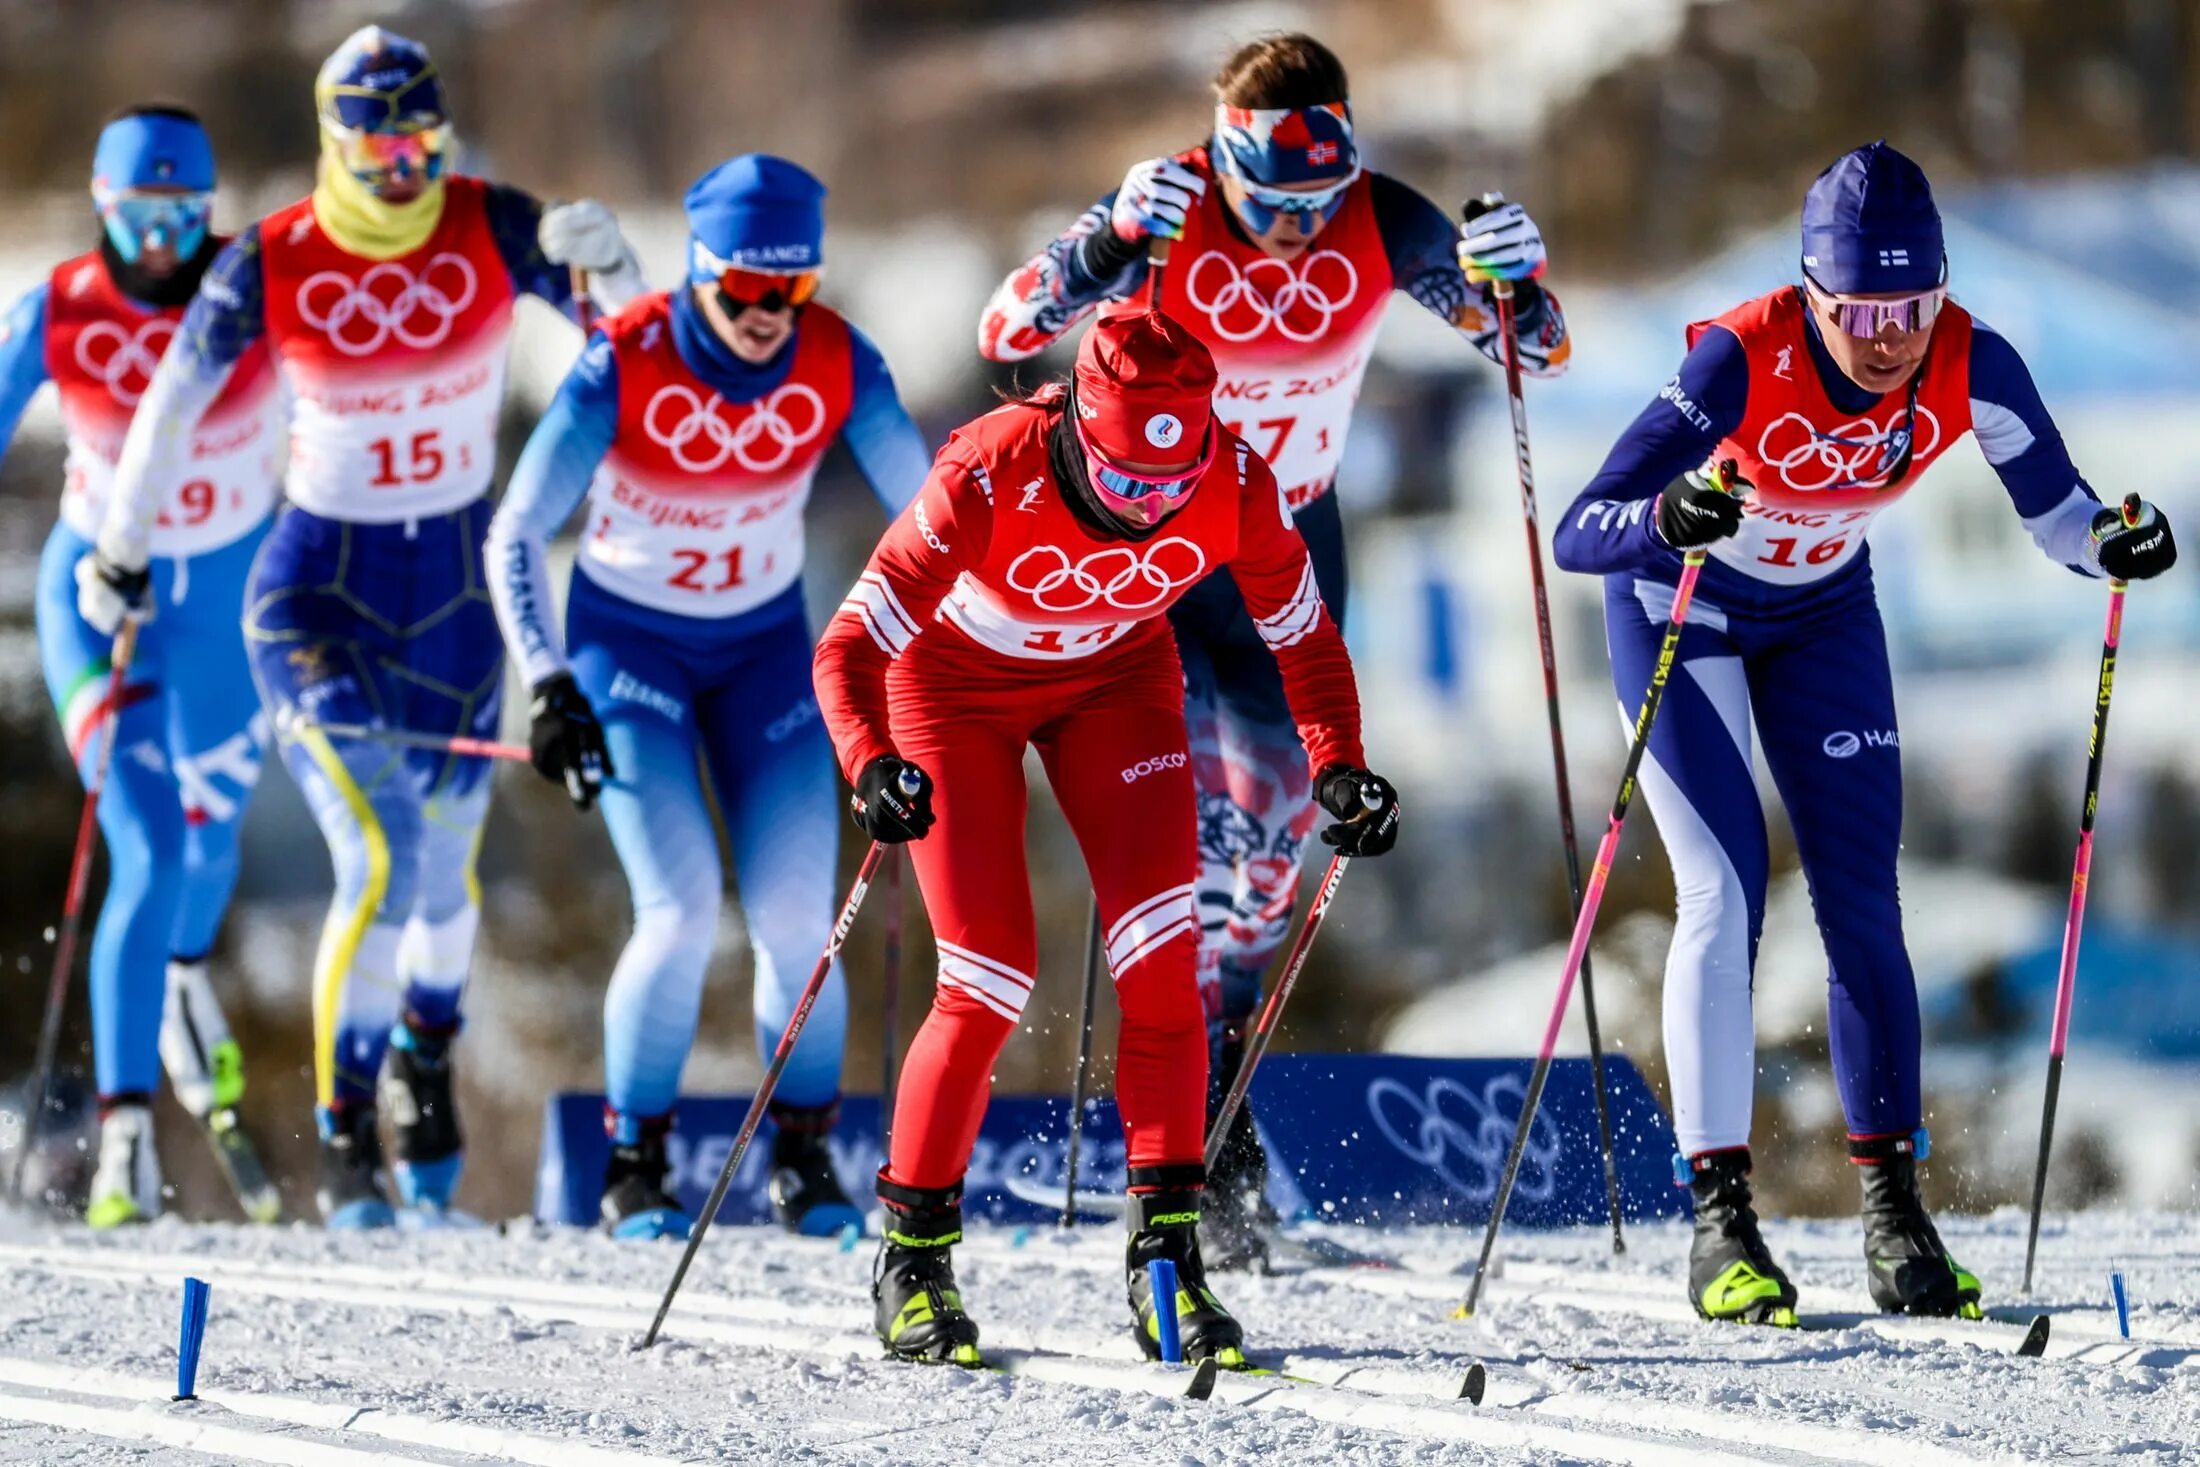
(2058,507)
(1102,256)
(548,484)
(542,247)
(1612,525)
(1276,577)
(889,450)
(945,529)
(1423,244)
(224,319)
(22,358)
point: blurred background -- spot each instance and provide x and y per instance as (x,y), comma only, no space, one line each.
(1664,146)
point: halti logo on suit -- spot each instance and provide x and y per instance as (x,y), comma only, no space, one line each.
(1846,745)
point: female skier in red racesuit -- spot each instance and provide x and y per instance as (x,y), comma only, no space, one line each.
(1048,541)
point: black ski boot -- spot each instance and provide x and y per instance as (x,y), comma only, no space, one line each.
(1236,1221)
(635,1202)
(1911,1271)
(917,1309)
(421,1095)
(807,1197)
(350,1190)
(1165,1224)
(1731,1274)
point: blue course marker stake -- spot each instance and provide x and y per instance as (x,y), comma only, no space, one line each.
(195,1295)
(1161,1273)
(2123,1303)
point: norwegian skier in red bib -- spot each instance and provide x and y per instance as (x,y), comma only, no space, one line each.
(1829,399)
(1286,251)
(385,299)
(1019,600)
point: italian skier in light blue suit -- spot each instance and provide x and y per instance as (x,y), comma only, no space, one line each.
(190,746)
(693,425)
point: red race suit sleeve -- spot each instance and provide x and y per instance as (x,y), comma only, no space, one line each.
(1276,579)
(944,529)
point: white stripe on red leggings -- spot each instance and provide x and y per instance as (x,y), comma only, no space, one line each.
(994,984)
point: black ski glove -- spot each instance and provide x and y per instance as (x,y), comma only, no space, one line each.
(1701,506)
(892,801)
(2134,543)
(566,742)
(1365,804)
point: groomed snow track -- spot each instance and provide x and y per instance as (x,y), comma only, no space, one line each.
(464,1348)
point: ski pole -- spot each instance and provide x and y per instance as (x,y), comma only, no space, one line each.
(1256,1043)
(1084,1064)
(1531,522)
(890,1006)
(584,304)
(458,744)
(1157,263)
(910,784)
(2066,979)
(1593,897)
(72,901)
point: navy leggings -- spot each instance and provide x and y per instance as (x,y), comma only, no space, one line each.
(1812,677)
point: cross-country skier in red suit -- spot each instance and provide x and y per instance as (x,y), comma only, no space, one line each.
(1019,600)
(1286,254)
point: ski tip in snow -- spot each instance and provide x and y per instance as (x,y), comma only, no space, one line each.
(1203,1381)
(2035,1338)
(1477,1380)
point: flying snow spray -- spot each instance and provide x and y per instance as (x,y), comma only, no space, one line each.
(195,1295)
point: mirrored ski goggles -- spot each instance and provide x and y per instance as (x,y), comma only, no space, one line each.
(1866,318)
(768,290)
(137,222)
(371,157)
(1128,485)
(1262,202)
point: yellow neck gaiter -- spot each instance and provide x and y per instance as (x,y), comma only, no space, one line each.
(362,223)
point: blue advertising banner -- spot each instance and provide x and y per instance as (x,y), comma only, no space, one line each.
(1375,1139)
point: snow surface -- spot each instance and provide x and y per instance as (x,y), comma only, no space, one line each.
(464,1347)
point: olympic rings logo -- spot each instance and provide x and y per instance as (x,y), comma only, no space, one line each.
(1463,1137)
(781,423)
(387,303)
(1124,578)
(1299,302)
(126,365)
(1853,456)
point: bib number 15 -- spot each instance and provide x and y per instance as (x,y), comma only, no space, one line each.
(417,460)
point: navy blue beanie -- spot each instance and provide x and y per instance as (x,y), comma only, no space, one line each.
(758,212)
(1870,226)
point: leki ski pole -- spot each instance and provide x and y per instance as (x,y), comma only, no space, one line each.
(109,720)
(458,744)
(1264,1028)
(890,1003)
(1532,523)
(2081,871)
(910,784)
(1084,1066)
(1592,897)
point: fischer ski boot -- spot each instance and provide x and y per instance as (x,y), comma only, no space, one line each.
(126,1187)
(636,1202)
(1731,1274)
(807,1197)
(1911,1270)
(420,1093)
(1237,1225)
(1165,1224)
(350,1191)
(917,1308)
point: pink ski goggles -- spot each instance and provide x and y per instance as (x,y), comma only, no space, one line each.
(1131,493)
(1867,317)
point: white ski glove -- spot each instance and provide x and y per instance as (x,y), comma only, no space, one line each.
(106,593)
(586,236)
(1501,243)
(1154,200)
